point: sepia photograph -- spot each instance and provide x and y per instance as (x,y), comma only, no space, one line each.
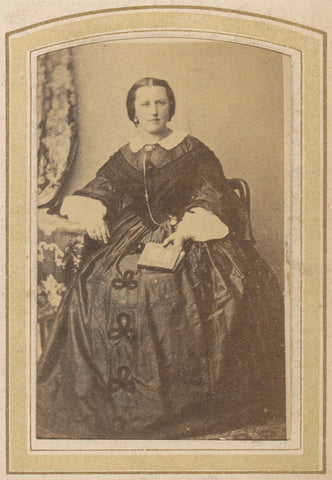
(160,241)
(166,262)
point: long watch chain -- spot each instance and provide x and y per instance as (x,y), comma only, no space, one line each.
(147,199)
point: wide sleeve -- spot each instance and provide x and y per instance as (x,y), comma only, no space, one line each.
(214,193)
(103,188)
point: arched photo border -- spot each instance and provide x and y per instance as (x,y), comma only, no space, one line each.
(311,43)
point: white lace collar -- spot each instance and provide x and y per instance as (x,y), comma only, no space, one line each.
(168,143)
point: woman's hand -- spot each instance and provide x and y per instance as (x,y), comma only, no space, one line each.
(89,213)
(177,239)
(199,225)
(98,230)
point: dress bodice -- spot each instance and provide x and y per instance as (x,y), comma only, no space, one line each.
(161,179)
(175,180)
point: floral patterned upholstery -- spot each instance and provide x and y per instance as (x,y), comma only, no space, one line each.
(59,253)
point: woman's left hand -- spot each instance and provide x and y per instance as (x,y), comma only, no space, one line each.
(198,225)
(177,238)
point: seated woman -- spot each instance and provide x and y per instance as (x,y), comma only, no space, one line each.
(134,350)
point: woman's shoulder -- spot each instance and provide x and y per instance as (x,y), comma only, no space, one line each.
(112,164)
(182,143)
(206,160)
(199,149)
(192,143)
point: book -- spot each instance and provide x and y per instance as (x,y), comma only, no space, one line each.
(156,256)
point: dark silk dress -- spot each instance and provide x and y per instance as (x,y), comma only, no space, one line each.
(133,351)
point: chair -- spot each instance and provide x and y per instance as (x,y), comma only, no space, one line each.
(241,188)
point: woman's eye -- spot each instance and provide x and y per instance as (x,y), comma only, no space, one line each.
(145,104)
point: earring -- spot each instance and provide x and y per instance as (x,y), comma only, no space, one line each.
(136,122)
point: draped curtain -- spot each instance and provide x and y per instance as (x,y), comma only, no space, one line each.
(57,125)
(60,245)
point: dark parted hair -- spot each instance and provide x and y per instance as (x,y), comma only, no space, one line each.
(148,82)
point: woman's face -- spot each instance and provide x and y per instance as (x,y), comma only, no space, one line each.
(152,108)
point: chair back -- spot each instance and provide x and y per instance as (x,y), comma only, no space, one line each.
(241,188)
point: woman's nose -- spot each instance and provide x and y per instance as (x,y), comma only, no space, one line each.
(154,109)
